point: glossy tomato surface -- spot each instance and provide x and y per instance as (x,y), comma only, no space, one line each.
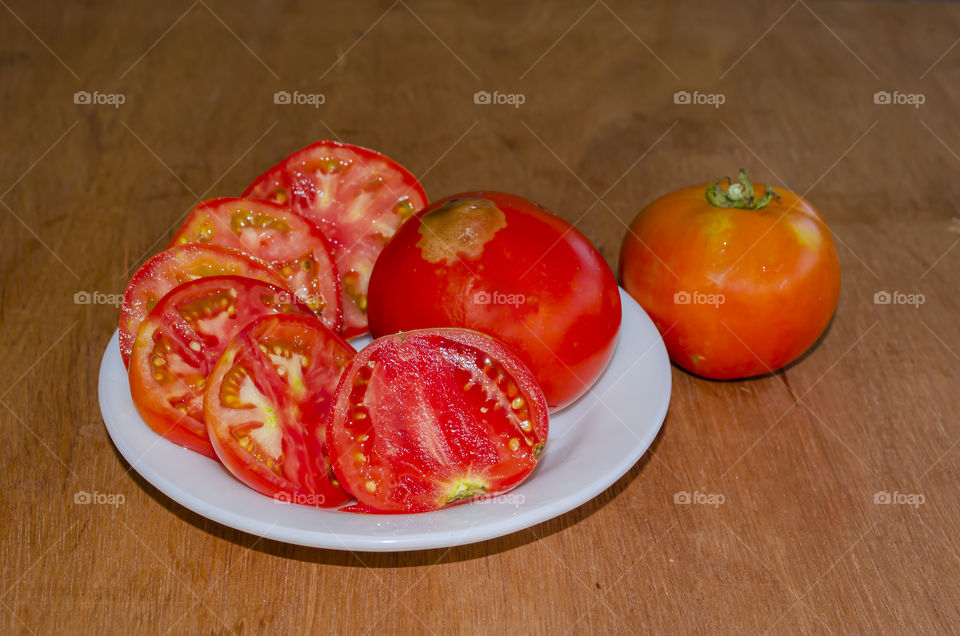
(734,292)
(429,418)
(265,406)
(357,196)
(179,344)
(503,265)
(174,266)
(295,248)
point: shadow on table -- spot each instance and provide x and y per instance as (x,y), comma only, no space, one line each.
(415,558)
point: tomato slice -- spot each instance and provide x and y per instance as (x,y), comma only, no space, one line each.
(429,418)
(180,342)
(265,405)
(357,196)
(294,247)
(174,266)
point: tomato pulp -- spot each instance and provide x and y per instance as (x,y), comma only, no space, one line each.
(174,266)
(265,406)
(292,246)
(425,419)
(357,196)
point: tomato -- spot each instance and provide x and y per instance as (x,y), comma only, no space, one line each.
(503,265)
(430,418)
(265,405)
(174,266)
(738,285)
(180,341)
(357,196)
(294,247)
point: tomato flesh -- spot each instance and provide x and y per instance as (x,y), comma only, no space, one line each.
(357,196)
(503,265)
(295,248)
(266,402)
(175,266)
(179,344)
(425,419)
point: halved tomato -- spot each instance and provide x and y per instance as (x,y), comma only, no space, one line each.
(425,419)
(174,266)
(180,342)
(292,246)
(357,196)
(265,406)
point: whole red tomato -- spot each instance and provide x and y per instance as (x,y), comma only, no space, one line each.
(738,285)
(503,265)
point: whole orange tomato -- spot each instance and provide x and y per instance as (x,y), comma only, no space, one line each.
(738,285)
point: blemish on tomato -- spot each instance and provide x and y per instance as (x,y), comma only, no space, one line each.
(460,226)
(716,226)
(807,232)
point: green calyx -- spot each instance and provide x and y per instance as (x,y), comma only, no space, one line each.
(738,194)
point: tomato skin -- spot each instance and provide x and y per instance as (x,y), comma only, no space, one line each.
(288,462)
(181,433)
(358,197)
(162,348)
(761,285)
(164,271)
(278,236)
(435,417)
(528,278)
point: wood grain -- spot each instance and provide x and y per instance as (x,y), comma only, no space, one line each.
(89,191)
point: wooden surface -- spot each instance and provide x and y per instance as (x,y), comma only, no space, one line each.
(798,544)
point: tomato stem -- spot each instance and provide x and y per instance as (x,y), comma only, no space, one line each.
(738,195)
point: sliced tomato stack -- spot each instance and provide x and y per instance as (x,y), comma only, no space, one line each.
(234,341)
(182,339)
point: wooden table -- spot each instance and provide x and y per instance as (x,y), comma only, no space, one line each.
(800,459)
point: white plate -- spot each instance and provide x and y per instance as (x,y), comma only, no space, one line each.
(590,446)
